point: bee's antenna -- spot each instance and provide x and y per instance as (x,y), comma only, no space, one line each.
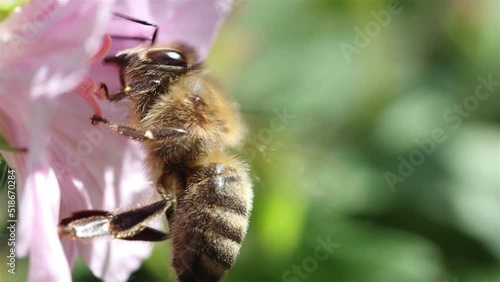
(155,33)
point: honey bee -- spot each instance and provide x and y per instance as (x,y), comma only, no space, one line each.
(187,124)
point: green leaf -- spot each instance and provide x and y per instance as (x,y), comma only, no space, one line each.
(7,6)
(6,147)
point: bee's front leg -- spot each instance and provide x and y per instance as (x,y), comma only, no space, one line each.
(129,90)
(136,134)
(119,95)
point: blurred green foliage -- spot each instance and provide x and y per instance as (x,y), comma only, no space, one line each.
(357,162)
(8,6)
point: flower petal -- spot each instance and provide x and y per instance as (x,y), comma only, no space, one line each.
(42,51)
(42,196)
(46,44)
(192,22)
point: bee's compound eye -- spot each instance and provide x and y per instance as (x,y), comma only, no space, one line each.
(168,57)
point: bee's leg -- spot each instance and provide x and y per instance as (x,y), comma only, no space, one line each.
(170,213)
(136,134)
(149,234)
(119,95)
(121,62)
(129,225)
(129,90)
(161,183)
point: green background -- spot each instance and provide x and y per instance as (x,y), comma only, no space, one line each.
(330,171)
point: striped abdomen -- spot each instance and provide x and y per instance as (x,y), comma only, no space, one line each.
(210,221)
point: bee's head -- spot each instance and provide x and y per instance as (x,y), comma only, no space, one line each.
(176,58)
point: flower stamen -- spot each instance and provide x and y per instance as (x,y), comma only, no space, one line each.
(102,51)
(87,89)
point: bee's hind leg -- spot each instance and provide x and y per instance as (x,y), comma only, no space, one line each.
(130,225)
(148,234)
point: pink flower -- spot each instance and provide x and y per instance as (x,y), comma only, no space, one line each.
(70,164)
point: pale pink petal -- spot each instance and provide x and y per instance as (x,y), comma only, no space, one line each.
(192,22)
(38,159)
(47,258)
(99,170)
(44,47)
(127,256)
(46,44)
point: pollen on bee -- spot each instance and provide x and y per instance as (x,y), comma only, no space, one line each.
(148,134)
(86,228)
